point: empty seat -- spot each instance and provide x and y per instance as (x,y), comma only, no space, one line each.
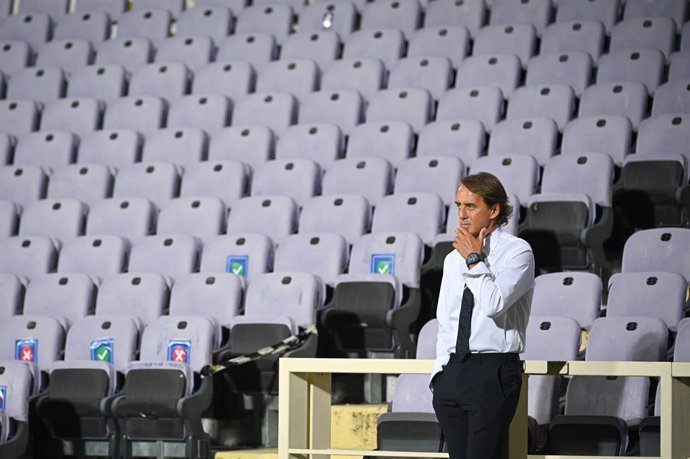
(68,54)
(343,108)
(27,257)
(111,147)
(32,28)
(348,215)
(644,66)
(257,49)
(575,295)
(114,9)
(105,82)
(276,19)
(299,77)
(432,73)
(18,117)
(9,219)
(536,13)
(386,45)
(16,55)
(501,71)
(183,147)
(243,254)
(452,42)
(234,79)
(417,212)
(80,116)
(129,52)
(672,97)
(517,39)
(168,81)
(573,69)
(679,69)
(93,26)
(67,297)
(363,74)
(664,134)
(674,9)
(194,51)
(298,178)
(389,140)
(536,137)
(224,179)
(323,47)
(143,296)
(339,17)
(97,256)
(151,24)
(604,11)
(482,103)
(88,183)
(667,245)
(212,21)
(274,216)
(603,134)
(370,177)
(129,218)
(158,182)
(439,175)
(252,145)
(322,143)
(48,149)
(627,99)
(40,84)
(11,295)
(575,36)
(450,13)
(405,15)
(555,102)
(60,220)
(53,9)
(408,105)
(22,184)
(659,295)
(518,172)
(35,341)
(324,255)
(139,113)
(644,33)
(17,382)
(201,217)
(172,256)
(276,110)
(463,139)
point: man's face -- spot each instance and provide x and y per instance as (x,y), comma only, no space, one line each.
(473,212)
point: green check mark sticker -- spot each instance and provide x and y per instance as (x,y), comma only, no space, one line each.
(102,350)
(383,263)
(237,265)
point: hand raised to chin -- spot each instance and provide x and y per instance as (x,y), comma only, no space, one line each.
(465,243)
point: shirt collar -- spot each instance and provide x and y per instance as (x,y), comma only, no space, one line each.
(493,241)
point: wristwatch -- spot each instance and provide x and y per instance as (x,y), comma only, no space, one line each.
(474,258)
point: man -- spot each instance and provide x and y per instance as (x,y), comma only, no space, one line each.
(483,309)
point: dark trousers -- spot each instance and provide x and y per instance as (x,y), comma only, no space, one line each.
(475,400)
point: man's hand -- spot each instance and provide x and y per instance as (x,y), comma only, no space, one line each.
(465,243)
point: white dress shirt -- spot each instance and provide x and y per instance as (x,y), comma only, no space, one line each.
(502,285)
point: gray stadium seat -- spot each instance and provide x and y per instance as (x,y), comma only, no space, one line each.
(114,8)
(672,97)
(131,53)
(250,144)
(16,55)
(275,216)
(502,71)
(449,13)
(80,116)
(340,17)
(346,214)
(243,254)
(158,182)
(534,12)
(209,112)
(363,74)
(53,9)
(673,9)
(151,24)
(200,217)
(47,149)
(463,139)
(554,102)
(11,295)
(404,15)
(299,179)
(175,7)
(36,341)
(517,39)
(370,177)
(32,28)
(68,54)
(603,134)
(212,21)
(408,105)
(388,45)
(432,73)
(258,49)
(322,143)
(389,140)
(275,19)
(104,82)
(570,68)
(165,80)
(323,255)
(93,26)
(299,77)
(142,296)
(18,385)
(574,36)
(96,256)
(322,46)
(61,220)
(679,69)
(573,294)
(139,113)
(452,42)
(18,117)
(644,66)
(86,182)
(604,11)
(644,33)
(66,297)
(22,184)
(234,79)
(27,257)
(668,246)
(115,148)
(171,256)
(419,213)
(183,147)
(276,110)
(234,5)
(536,137)
(128,218)
(343,108)
(484,104)
(225,179)
(439,175)
(40,84)
(626,99)
(194,51)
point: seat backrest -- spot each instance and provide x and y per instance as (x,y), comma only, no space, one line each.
(602,134)
(140,295)
(604,11)
(665,134)
(231,78)
(158,182)
(410,105)
(537,13)
(128,218)
(209,112)
(293,295)
(390,140)
(47,149)
(298,178)
(681,350)
(501,71)
(644,66)
(426,342)
(464,139)
(79,115)
(16,55)
(405,15)
(552,101)
(59,219)
(27,257)
(439,175)
(299,77)
(397,253)
(416,212)
(202,217)
(143,113)
(152,24)
(534,136)
(623,397)
(451,42)
(480,103)
(626,99)
(573,68)
(472,15)
(68,297)
(234,143)
(276,110)
(517,39)
(257,49)
(103,338)
(319,142)
(16,386)
(86,182)
(11,295)
(323,47)
(518,172)
(40,84)
(340,17)
(242,254)
(433,73)
(552,337)
(223,179)
(131,53)
(69,54)
(574,294)
(385,44)
(322,254)
(194,51)
(99,256)
(370,177)
(363,74)
(658,249)
(658,33)
(343,108)
(672,97)
(674,9)
(167,80)
(276,19)
(648,294)
(273,215)
(18,116)
(116,148)
(172,256)
(592,172)
(179,339)
(33,28)
(213,21)
(346,214)
(214,295)
(36,340)
(636,338)
(94,26)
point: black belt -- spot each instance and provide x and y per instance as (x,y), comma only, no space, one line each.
(485,357)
